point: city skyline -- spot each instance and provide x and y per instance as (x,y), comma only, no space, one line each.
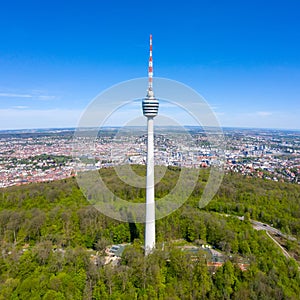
(242,57)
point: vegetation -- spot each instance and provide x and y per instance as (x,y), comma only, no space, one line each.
(275,203)
(48,232)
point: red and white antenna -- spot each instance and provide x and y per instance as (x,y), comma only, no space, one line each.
(150,104)
(150,68)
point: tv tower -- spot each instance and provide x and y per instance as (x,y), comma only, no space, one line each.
(150,109)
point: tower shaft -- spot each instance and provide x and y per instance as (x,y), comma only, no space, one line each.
(150,203)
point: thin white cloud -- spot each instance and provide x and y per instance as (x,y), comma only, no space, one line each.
(14,118)
(264,113)
(20,107)
(46,97)
(35,95)
(38,91)
(14,95)
(261,119)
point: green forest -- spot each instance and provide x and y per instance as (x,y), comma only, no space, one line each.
(49,233)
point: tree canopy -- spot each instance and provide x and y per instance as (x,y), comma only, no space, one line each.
(53,241)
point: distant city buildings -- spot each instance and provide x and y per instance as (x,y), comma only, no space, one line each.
(24,158)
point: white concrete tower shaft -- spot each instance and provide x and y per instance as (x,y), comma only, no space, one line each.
(150,110)
(150,202)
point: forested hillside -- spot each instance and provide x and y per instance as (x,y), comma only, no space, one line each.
(50,236)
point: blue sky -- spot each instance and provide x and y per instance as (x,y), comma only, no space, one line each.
(243,57)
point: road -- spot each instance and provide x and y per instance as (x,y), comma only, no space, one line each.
(269,229)
(262,226)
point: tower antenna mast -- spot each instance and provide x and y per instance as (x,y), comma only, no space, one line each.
(150,69)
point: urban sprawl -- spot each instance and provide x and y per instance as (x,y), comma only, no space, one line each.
(48,155)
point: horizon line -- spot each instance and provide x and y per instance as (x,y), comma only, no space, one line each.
(141,126)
